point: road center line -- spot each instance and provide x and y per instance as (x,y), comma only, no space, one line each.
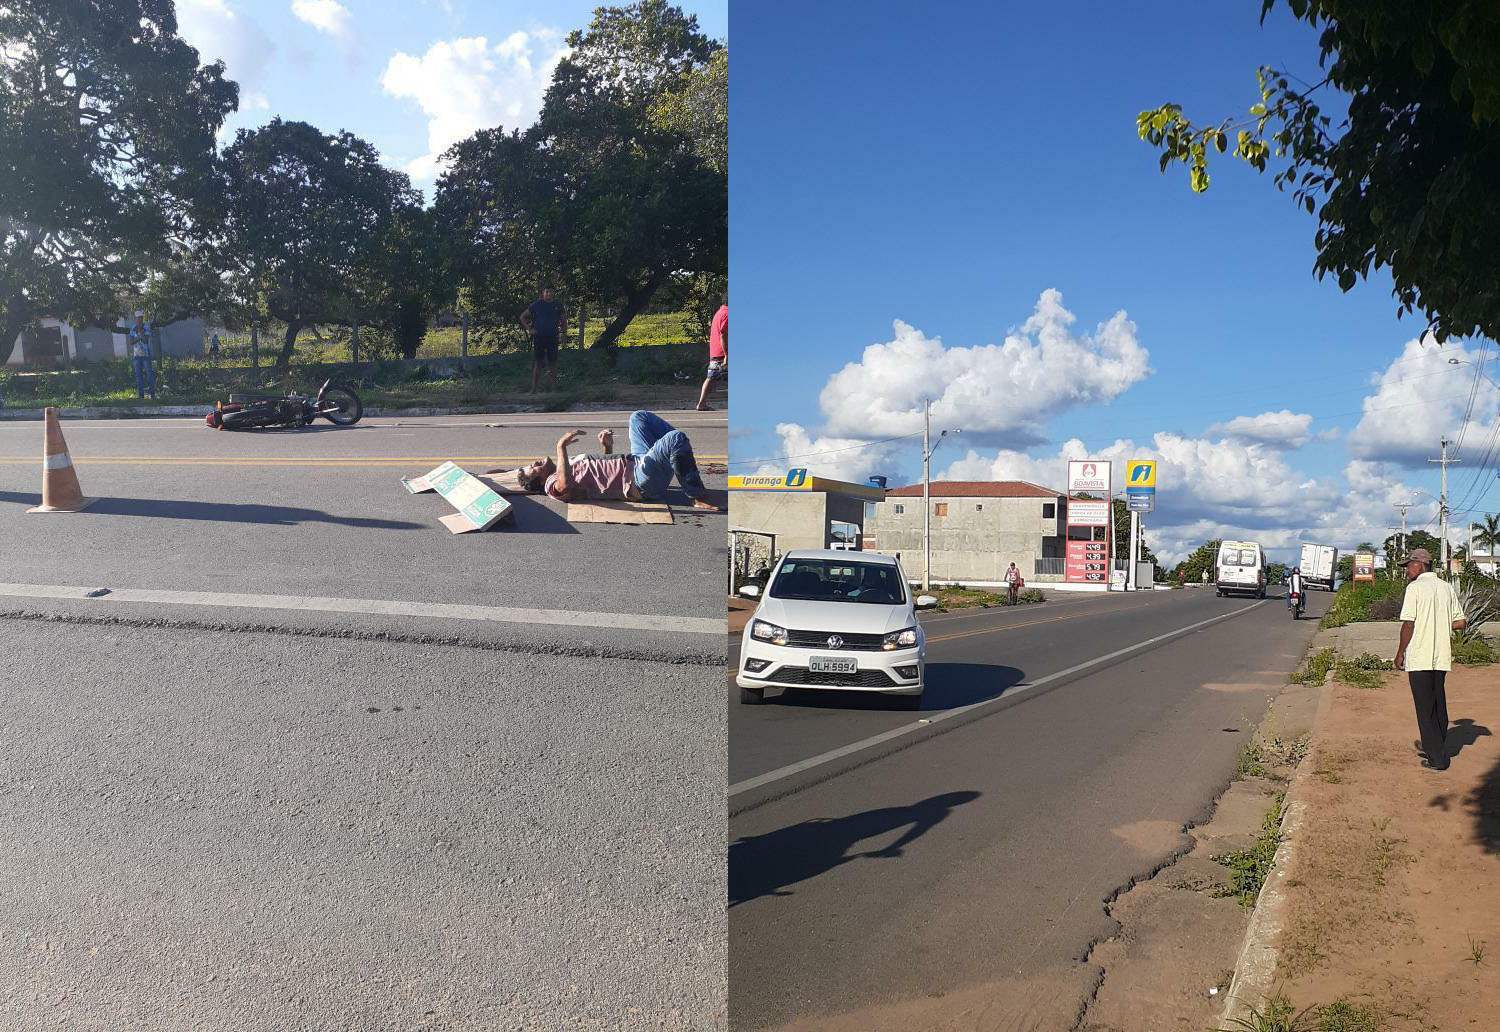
(377,607)
(813,762)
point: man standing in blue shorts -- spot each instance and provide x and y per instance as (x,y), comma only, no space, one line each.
(545,322)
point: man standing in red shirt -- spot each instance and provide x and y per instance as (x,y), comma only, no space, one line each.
(718,354)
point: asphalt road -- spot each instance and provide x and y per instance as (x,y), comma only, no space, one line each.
(321,513)
(314,762)
(256,831)
(968,867)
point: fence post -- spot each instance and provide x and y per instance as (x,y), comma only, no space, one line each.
(255,350)
(463,340)
(583,318)
(354,344)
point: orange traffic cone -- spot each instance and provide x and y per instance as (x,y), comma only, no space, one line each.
(60,490)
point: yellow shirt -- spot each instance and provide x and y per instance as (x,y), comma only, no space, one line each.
(1431,606)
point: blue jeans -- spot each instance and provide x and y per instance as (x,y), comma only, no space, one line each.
(149,378)
(661,451)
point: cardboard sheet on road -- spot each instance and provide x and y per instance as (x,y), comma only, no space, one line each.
(479,506)
(618,512)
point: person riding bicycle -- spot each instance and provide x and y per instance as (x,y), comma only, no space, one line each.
(1294,587)
(657,452)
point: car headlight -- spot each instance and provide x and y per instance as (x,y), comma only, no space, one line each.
(763,631)
(906,639)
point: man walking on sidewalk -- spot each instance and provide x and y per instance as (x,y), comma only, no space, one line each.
(1430,614)
(1013,582)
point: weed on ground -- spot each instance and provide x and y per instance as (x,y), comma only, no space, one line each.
(1248,868)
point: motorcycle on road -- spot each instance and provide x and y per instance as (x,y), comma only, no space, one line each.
(1297,605)
(334,402)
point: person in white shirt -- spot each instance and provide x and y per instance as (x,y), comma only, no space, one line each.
(1013,582)
(1294,586)
(1430,613)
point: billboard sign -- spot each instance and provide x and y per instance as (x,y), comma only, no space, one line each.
(1089,476)
(1140,500)
(1364,567)
(1088,562)
(1088,514)
(1140,473)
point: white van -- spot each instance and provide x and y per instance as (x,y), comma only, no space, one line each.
(1241,569)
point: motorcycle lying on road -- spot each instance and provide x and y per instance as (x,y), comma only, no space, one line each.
(334,402)
(1297,604)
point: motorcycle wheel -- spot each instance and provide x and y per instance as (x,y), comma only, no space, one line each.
(350,408)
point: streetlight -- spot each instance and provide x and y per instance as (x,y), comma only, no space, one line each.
(928,447)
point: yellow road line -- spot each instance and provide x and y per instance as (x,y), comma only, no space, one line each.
(351,460)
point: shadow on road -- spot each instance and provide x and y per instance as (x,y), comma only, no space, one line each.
(220,512)
(534,516)
(949,685)
(1464,733)
(765,865)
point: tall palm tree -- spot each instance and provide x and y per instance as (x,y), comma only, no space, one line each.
(1487,534)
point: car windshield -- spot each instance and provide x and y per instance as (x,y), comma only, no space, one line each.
(834,580)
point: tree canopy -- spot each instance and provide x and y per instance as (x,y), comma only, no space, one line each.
(613,190)
(107,126)
(1404,177)
(311,223)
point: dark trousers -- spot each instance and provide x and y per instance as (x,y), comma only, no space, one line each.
(1431,701)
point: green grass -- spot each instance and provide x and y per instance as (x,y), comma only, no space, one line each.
(1252,761)
(1343,1016)
(582,377)
(1352,602)
(956,596)
(1474,651)
(1476,950)
(1315,670)
(1248,868)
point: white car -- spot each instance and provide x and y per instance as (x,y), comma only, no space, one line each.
(834,620)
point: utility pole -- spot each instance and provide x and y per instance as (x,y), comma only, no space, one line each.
(1445,462)
(926,495)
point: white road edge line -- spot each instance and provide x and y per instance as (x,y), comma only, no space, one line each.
(770,777)
(377,607)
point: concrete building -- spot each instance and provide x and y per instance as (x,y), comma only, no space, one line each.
(979,527)
(797,511)
(55,343)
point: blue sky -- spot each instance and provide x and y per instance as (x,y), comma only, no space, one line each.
(970,172)
(411,77)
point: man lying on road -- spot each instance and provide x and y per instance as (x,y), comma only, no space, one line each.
(657,452)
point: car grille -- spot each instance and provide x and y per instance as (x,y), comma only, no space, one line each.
(802,675)
(819,640)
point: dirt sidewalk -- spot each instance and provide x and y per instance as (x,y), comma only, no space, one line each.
(1393,895)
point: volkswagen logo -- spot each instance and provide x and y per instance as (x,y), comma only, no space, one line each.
(835,642)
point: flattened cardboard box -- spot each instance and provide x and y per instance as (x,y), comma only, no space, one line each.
(479,507)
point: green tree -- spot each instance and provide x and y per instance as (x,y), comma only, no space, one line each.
(1204,557)
(603,195)
(1122,534)
(1394,551)
(1487,533)
(308,222)
(1406,181)
(107,126)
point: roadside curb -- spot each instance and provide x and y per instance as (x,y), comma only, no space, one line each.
(1255,970)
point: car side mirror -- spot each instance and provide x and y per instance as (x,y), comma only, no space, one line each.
(926,602)
(750,590)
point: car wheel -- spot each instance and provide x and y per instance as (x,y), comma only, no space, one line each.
(752,696)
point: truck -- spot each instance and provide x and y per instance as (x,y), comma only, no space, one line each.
(1320,566)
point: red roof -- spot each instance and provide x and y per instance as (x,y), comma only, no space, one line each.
(976,489)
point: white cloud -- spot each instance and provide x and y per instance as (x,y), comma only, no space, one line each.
(466,84)
(221,32)
(1284,429)
(327,16)
(1420,398)
(1040,370)
(838,458)
(1225,488)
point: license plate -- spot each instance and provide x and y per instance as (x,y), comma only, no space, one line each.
(833,665)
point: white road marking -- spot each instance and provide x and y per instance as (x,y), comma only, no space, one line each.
(772,776)
(377,607)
